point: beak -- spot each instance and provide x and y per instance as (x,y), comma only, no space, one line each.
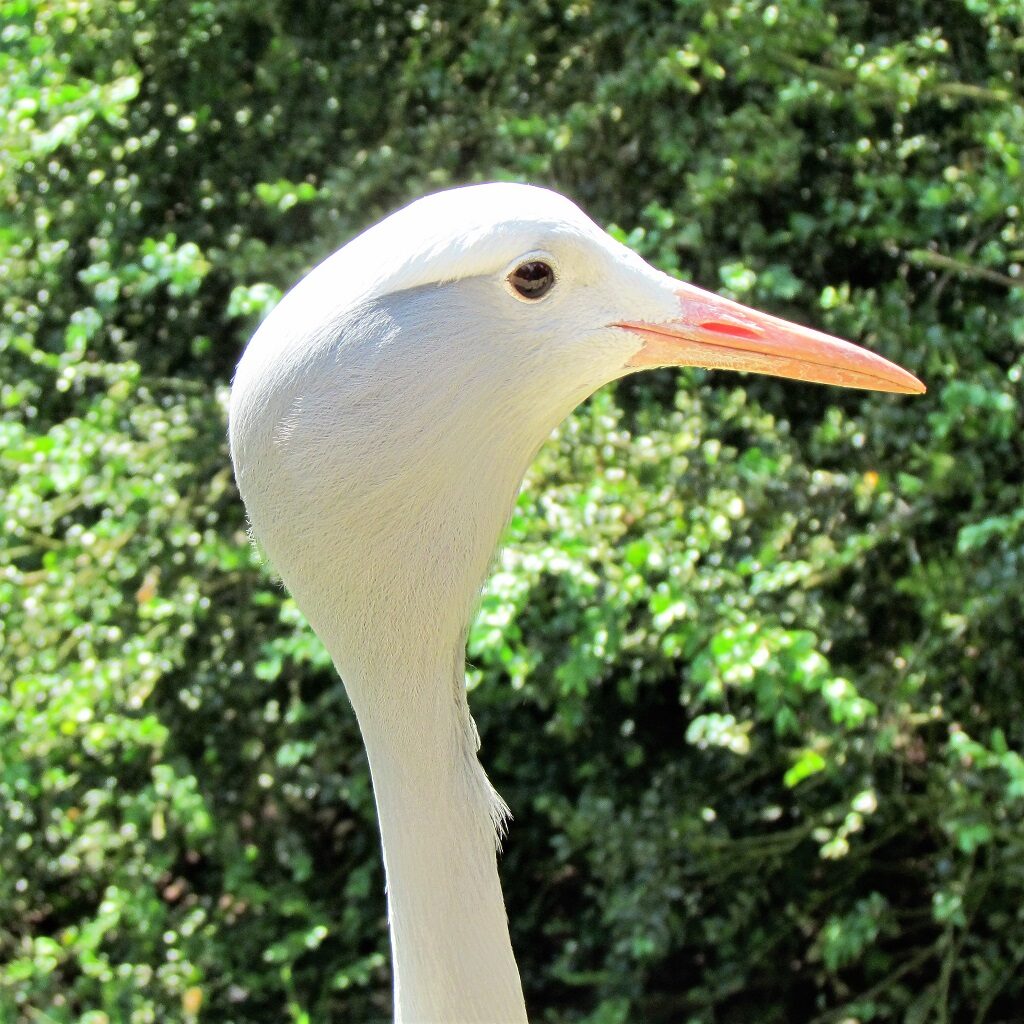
(721,334)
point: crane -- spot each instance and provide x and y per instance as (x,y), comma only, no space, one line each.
(381,421)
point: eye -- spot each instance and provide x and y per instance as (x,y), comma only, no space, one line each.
(533,279)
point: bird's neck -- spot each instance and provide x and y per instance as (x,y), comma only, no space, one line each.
(451,951)
(384,540)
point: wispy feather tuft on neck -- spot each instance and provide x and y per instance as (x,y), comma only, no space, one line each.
(497,810)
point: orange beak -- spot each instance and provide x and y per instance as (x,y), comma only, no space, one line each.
(721,334)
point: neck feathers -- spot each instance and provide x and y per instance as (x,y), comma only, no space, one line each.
(440,819)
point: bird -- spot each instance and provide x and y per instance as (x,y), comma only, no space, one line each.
(381,420)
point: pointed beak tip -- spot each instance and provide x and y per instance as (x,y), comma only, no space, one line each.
(906,383)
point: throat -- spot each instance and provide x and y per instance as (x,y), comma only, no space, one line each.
(438,814)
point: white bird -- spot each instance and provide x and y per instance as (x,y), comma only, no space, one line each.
(381,421)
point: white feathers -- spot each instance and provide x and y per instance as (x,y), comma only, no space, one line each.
(381,421)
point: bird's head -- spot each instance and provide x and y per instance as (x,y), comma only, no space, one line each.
(383,415)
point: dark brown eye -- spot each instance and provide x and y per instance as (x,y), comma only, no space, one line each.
(532,279)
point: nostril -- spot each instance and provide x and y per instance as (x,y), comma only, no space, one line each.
(734,330)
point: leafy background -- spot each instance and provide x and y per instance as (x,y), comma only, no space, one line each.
(749,670)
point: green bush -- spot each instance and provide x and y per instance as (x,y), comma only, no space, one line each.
(748,671)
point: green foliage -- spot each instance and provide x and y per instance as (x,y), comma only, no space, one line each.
(748,670)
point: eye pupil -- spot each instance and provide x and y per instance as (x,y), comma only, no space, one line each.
(532,279)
